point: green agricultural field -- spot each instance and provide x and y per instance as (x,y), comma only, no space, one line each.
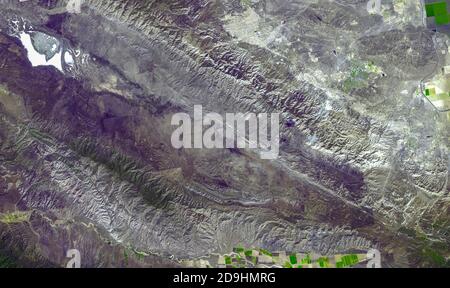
(439,11)
(440,100)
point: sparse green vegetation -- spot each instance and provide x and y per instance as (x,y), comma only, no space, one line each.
(139,255)
(306,260)
(430,253)
(265,252)
(7,262)
(125,257)
(287,265)
(435,258)
(359,75)
(246,3)
(14,217)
